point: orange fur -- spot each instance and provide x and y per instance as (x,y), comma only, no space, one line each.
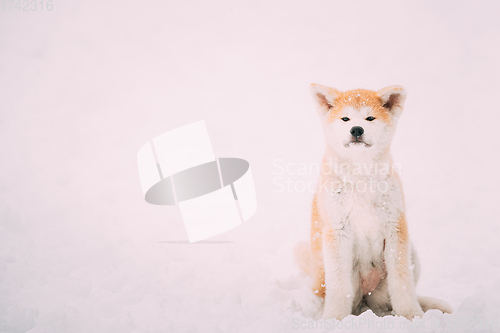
(359,98)
(318,272)
(402,249)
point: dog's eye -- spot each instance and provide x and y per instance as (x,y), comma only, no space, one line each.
(345,119)
(370,118)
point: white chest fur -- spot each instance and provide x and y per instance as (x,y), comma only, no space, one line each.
(363,210)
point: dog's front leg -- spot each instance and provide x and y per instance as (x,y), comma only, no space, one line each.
(401,286)
(338,260)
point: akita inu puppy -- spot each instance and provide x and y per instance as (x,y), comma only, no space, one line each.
(360,255)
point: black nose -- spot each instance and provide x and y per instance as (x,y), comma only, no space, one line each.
(357,131)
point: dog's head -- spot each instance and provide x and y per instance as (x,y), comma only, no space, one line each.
(358,123)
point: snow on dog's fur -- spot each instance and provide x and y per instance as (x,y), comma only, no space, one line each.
(360,255)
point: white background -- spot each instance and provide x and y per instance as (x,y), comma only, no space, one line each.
(84,86)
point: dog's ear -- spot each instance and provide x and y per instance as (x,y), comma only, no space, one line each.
(324,97)
(393,99)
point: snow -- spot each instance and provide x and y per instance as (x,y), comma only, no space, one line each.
(86,85)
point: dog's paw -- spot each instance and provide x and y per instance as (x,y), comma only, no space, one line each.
(327,315)
(335,312)
(407,305)
(411,314)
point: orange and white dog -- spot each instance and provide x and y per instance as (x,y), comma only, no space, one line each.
(360,256)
